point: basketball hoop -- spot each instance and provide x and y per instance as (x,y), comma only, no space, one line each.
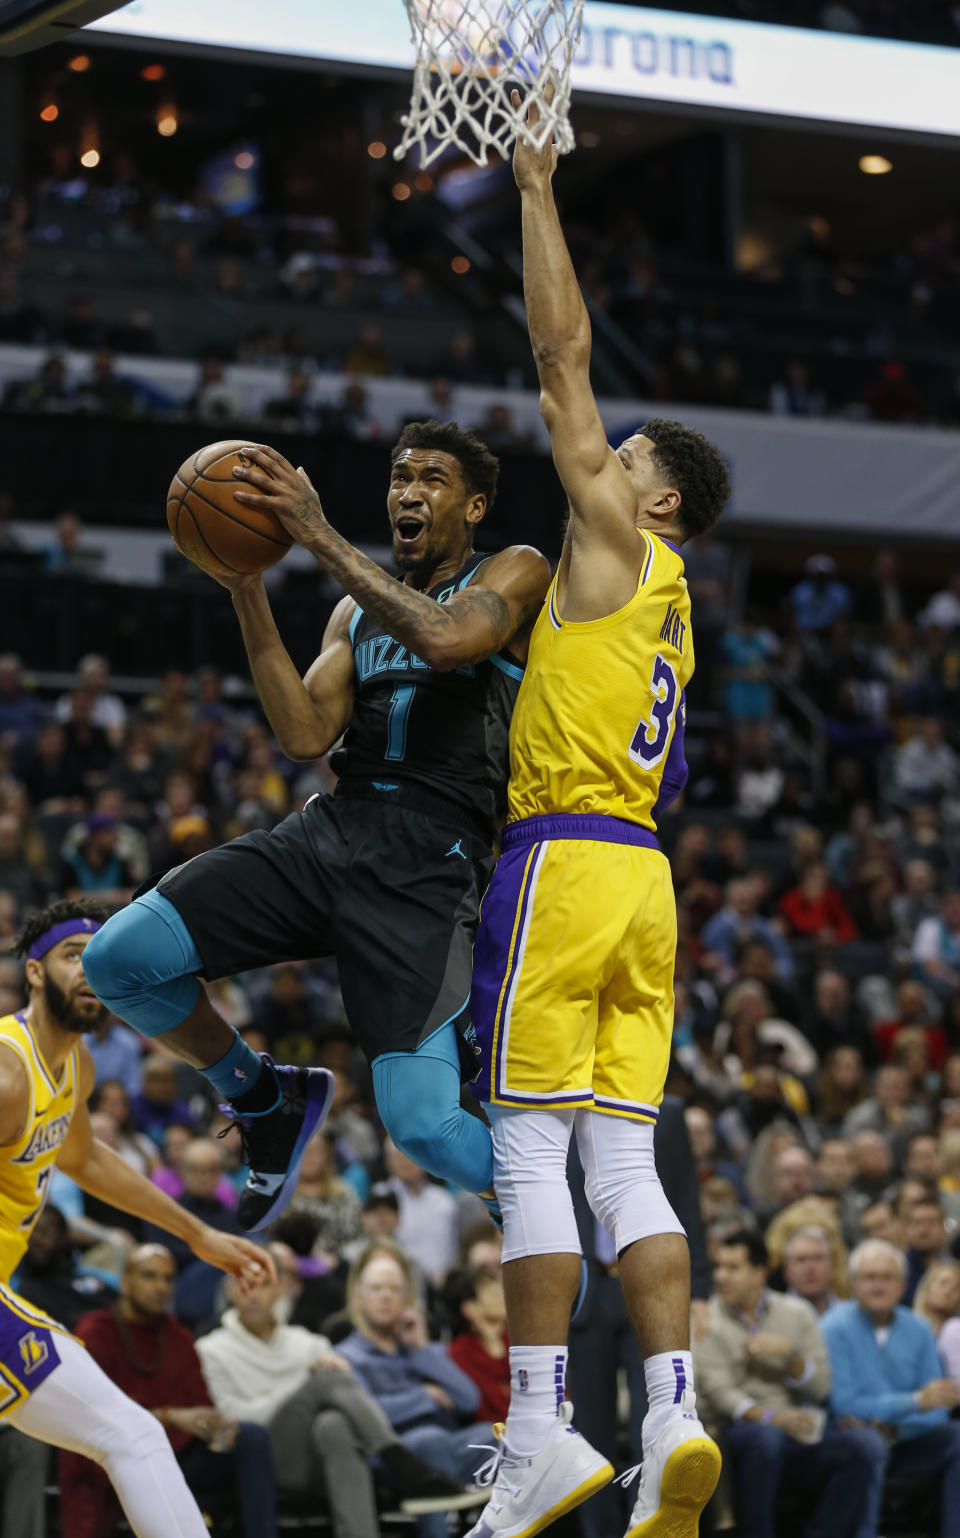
(470,55)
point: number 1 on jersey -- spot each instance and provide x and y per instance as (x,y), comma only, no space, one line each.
(400,701)
(650,738)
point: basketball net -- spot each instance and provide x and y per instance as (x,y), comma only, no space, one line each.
(470,55)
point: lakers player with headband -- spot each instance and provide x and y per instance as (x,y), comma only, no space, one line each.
(50,1387)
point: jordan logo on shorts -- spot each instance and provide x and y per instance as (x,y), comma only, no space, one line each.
(456,850)
(34,1352)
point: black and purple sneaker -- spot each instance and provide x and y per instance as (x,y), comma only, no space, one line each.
(274,1140)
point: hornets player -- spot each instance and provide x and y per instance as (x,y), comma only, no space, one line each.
(573,967)
(387,874)
(50,1387)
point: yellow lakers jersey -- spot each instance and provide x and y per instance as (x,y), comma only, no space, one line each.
(27,1165)
(598,723)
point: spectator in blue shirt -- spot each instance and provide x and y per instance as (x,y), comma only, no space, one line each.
(738,921)
(886,1374)
(818,602)
(422,1392)
(116,1053)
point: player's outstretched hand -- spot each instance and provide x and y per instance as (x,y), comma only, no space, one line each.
(271,484)
(531,167)
(246,1262)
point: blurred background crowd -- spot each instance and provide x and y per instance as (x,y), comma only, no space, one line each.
(198,248)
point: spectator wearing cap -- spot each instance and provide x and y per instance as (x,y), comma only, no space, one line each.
(886,1372)
(763,1380)
(94,864)
(380,1219)
(819,600)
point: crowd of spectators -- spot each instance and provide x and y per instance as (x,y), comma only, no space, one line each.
(816,1061)
(677,325)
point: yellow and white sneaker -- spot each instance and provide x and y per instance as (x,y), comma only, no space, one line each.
(527,1494)
(678,1475)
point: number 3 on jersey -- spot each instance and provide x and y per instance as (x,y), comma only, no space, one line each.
(651,736)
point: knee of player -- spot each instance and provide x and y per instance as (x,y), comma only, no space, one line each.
(134,1438)
(425,1132)
(106,961)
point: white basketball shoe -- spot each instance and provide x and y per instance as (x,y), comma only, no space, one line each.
(678,1475)
(528,1494)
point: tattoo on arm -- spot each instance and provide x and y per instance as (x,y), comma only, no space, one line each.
(407,614)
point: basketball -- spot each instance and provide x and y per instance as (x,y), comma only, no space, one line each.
(210,526)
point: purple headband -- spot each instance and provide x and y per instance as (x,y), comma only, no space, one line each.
(52,937)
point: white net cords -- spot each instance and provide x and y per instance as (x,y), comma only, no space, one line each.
(470,55)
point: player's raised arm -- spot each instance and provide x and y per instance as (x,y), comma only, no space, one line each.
(505,595)
(593,477)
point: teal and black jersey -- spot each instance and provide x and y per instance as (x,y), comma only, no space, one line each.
(444,734)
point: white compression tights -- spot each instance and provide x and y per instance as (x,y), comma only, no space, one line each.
(78,1408)
(530,1176)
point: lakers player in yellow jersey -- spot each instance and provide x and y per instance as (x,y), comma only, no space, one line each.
(573,962)
(50,1387)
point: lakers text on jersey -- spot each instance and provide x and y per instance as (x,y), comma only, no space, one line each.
(28,1337)
(27,1165)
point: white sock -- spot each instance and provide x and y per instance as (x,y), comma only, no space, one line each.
(537,1377)
(669,1376)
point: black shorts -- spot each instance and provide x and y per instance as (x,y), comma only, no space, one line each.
(392,892)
